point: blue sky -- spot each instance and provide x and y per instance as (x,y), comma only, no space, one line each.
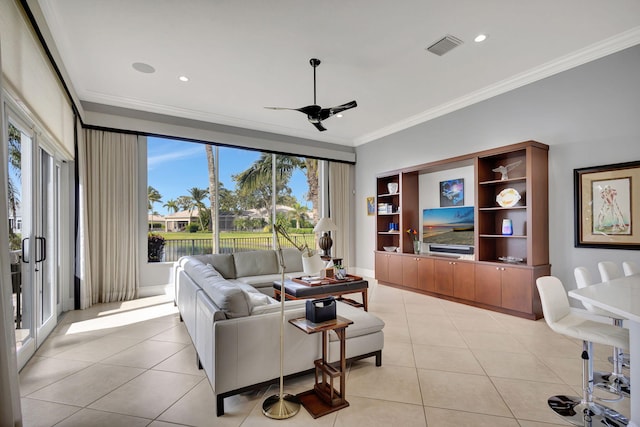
(175,166)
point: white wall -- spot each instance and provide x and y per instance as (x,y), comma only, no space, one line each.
(589,116)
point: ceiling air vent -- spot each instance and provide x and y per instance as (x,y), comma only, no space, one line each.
(444,45)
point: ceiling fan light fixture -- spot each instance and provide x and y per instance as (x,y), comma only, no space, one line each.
(183,78)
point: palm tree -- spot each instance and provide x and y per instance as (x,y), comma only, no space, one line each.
(184,203)
(197,195)
(15,163)
(211,167)
(257,178)
(153,196)
(311,171)
(299,213)
(171,205)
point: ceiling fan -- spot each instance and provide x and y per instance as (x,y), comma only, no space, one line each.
(315,113)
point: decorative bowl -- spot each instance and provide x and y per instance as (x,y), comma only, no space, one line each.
(508,197)
(392,187)
(390,248)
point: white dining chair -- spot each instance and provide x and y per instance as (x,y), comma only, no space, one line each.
(613,382)
(566,321)
(630,267)
(609,270)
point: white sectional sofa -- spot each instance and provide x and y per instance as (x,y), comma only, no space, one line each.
(235,327)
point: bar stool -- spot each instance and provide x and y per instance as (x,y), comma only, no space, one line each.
(609,270)
(630,267)
(614,382)
(563,320)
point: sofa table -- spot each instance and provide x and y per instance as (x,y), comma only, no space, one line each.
(297,290)
(324,399)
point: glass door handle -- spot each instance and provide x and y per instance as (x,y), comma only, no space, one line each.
(43,248)
(24,248)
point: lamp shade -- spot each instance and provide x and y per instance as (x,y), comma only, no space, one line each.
(312,264)
(325,224)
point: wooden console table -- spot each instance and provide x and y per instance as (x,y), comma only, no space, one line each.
(324,398)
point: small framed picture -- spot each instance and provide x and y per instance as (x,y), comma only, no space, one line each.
(452,192)
(371,206)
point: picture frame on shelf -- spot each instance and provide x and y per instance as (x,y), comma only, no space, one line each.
(606,214)
(452,192)
(371,206)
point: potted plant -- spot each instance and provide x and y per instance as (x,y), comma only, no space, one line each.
(155,247)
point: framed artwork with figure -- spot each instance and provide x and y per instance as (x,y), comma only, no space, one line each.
(452,192)
(371,206)
(607,215)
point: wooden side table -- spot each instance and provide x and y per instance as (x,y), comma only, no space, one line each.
(324,398)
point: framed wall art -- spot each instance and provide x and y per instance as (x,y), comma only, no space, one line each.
(371,206)
(452,192)
(607,210)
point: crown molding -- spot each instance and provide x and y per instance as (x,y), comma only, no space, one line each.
(590,53)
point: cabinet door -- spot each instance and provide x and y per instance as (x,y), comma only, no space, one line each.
(425,275)
(517,289)
(410,271)
(443,277)
(489,284)
(395,269)
(382,267)
(464,284)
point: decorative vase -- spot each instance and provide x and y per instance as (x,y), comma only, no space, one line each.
(417,245)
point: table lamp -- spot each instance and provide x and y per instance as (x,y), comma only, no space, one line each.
(324,226)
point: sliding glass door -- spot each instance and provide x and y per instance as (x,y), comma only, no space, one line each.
(33,178)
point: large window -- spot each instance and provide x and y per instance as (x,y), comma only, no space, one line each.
(204,199)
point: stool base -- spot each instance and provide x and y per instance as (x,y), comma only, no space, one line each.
(613,383)
(573,410)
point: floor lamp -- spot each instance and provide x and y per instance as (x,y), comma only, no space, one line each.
(281,406)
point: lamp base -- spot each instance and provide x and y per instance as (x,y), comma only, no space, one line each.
(325,242)
(281,408)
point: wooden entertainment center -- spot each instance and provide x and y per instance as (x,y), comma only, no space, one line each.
(481,279)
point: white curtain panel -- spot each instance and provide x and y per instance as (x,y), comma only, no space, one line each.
(10,412)
(340,206)
(109,196)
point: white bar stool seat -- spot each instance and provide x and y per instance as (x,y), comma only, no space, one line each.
(564,320)
(630,267)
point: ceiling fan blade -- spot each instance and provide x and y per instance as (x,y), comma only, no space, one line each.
(325,113)
(319,126)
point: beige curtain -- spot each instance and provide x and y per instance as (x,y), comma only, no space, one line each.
(340,206)
(108,180)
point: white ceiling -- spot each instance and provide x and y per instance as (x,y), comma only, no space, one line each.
(244,55)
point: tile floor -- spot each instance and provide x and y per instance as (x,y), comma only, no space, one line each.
(444,364)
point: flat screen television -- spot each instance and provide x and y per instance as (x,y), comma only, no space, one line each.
(449,229)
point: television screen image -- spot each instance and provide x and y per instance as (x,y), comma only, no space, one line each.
(448,226)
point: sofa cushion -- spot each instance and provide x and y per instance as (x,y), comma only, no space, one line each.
(266,280)
(364,323)
(255,263)
(224,264)
(292,259)
(229,297)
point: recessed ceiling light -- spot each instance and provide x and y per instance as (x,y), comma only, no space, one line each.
(480,38)
(183,78)
(339,115)
(143,68)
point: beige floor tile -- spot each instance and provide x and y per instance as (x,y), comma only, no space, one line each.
(452,390)
(99,349)
(372,413)
(398,354)
(450,359)
(424,333)
(197,408)
(163,424)
(437,417)
(494,341)
(394,383)
(59,343)
(88,385)
(39,413)
(528,399)
(42,371)
(144,330)
(177,333)
(527,423)
(569,370)
(396,333)
(147,395)
(428,320)
(145,354)
(90,417)
(183,362)
(550,344)
(481,322)
(523,366)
